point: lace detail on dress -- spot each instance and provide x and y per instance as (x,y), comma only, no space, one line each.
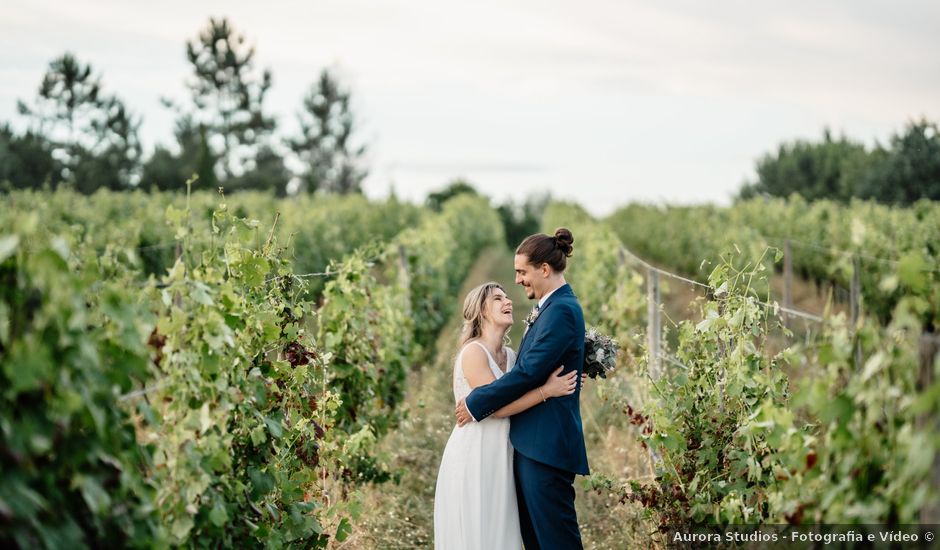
(461,386)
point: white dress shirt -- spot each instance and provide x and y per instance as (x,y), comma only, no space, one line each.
(542,301)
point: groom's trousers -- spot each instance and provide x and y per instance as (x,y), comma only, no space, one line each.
(545,496)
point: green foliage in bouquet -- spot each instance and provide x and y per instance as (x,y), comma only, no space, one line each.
(600,353)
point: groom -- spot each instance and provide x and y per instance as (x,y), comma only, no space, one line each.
(548,438)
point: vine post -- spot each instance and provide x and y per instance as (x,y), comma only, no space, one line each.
(787,279)
(404,277)
(856,299)
(654,326)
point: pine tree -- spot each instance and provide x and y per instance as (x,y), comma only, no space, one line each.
(227,100)
(332,163)
(91,134)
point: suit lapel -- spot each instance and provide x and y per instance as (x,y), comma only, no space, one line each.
(564,289)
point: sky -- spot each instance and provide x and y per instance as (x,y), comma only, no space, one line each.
(601,102)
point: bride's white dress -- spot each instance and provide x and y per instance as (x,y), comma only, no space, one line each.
(475,498)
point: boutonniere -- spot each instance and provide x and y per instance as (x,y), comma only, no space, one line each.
(530,319)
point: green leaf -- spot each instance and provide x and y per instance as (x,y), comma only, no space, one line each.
(254,269)
(28,366)
(202,294)
(219,515)
(737,319)
(4,324)
(274,426)
(177,271)
(270,325)
(94,495)
(61,247)
(205,419)
(8,245)
(263,482)
(912,272)
(839,409)
(258,435)
(181,527)
(343,530)
(704,325)
(174,216)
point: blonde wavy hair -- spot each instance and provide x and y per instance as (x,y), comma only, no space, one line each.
(473,311)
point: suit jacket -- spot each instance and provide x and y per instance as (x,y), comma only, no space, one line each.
(550,432)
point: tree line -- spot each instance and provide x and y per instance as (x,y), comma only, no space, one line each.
(83,136)
(901,172)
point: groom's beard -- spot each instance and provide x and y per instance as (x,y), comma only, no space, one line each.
(529,293)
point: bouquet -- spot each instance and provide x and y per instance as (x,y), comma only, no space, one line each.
(600,353)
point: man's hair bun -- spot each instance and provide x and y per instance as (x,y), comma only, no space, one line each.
(564,240)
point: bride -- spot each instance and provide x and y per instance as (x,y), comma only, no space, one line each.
(475,497)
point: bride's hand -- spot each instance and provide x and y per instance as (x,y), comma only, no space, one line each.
(559,385)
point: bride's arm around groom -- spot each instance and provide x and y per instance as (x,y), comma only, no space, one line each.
(556,330)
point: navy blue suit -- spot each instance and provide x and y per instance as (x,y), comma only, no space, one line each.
(548,438)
